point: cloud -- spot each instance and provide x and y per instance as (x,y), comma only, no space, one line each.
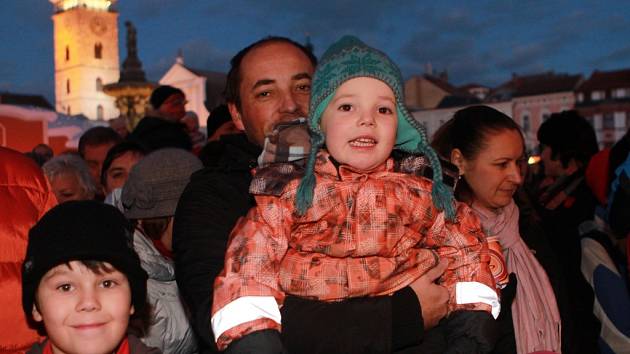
(617,57)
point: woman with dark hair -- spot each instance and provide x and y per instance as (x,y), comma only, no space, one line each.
(118,162)
(487,148)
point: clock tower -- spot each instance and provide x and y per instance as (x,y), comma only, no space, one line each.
(86,57)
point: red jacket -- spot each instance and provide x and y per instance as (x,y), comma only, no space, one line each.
(25,196)
(367,234)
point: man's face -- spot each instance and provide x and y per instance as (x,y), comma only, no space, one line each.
(553,168)
(174,107)
(275,87)
(94,155)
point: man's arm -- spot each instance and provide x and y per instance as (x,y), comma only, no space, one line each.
(208,209)
(384,323)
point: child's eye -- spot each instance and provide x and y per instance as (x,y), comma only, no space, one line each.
(345,107)
(65,288)
(385,110)
(108,284)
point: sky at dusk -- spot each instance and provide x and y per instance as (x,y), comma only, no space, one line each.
(481,41)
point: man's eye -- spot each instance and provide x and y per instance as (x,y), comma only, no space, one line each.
(304,88)
(345,107)
(263,94)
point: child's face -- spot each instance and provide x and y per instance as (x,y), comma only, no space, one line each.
(83,312)
(360,123)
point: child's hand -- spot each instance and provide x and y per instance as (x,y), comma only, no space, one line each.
(433,298)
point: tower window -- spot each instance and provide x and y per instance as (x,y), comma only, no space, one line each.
(68,86)
(99,112)
(98,51)
(99,84)
(67,53)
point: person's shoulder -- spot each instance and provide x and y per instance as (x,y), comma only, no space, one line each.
(137,347)
(275,179)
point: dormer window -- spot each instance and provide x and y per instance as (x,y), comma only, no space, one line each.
(99,84)
(67,53)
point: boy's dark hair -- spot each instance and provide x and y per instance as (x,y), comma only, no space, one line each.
(82,231)
(233,83)
(117,151)
(468,131)
(97,136)
(569,136)
(219,116)
(154,227)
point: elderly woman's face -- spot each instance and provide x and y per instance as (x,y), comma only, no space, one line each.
(495,173)
(67,186)
(118,171)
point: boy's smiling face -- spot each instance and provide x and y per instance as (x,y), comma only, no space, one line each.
(360,123)
(83,312)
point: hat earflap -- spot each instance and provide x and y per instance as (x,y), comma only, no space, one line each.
(304,195)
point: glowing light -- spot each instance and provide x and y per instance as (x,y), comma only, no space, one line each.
(64,5)
(533,160)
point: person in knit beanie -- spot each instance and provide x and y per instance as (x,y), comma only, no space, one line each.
(353,221)
(83,281)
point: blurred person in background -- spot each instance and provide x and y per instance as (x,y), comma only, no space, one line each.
(25,196)
(69,178)
(93,147)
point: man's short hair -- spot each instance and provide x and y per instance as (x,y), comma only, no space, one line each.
(569,136)
(232,85)
(98,136)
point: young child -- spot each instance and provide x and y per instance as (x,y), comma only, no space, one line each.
(83,281)
(354,222)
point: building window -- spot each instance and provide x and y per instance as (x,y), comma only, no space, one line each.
(526,125)
(99,84)
(69,111)
(620,93)
(99,112)
(98,51)
(68,86)
(67,53)
(580,97)
(597,95)
(608,122)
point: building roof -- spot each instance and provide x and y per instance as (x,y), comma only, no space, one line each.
(603,80)
(25,100)
(215,86)
(458,100)
(537,84)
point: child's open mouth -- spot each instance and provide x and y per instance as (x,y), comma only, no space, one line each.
(363,142)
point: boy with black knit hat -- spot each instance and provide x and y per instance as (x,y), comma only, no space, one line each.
(83,281)
(354,222)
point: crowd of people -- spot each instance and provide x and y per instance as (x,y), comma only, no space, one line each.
(316,217)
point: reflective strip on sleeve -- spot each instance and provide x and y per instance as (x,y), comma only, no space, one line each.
(242,310)
(472,292)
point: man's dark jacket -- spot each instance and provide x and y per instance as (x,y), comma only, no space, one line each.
(207,211)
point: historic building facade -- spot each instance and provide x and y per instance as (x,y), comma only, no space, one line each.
(86,57)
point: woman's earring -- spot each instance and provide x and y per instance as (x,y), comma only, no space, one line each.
(459,176)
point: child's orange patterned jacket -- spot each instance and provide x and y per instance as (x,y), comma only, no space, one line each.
(367,234)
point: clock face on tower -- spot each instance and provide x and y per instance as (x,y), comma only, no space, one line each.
(98,26)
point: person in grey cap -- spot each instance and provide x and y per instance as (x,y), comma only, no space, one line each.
(149,198)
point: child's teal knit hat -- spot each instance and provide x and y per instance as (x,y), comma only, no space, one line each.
(350,58)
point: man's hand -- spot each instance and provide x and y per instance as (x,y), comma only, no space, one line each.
(433,298)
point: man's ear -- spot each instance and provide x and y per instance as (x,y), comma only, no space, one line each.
(36,315)
(132,310)
(236,116)
(457,158)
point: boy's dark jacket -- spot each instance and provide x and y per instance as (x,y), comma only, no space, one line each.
(135,347)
